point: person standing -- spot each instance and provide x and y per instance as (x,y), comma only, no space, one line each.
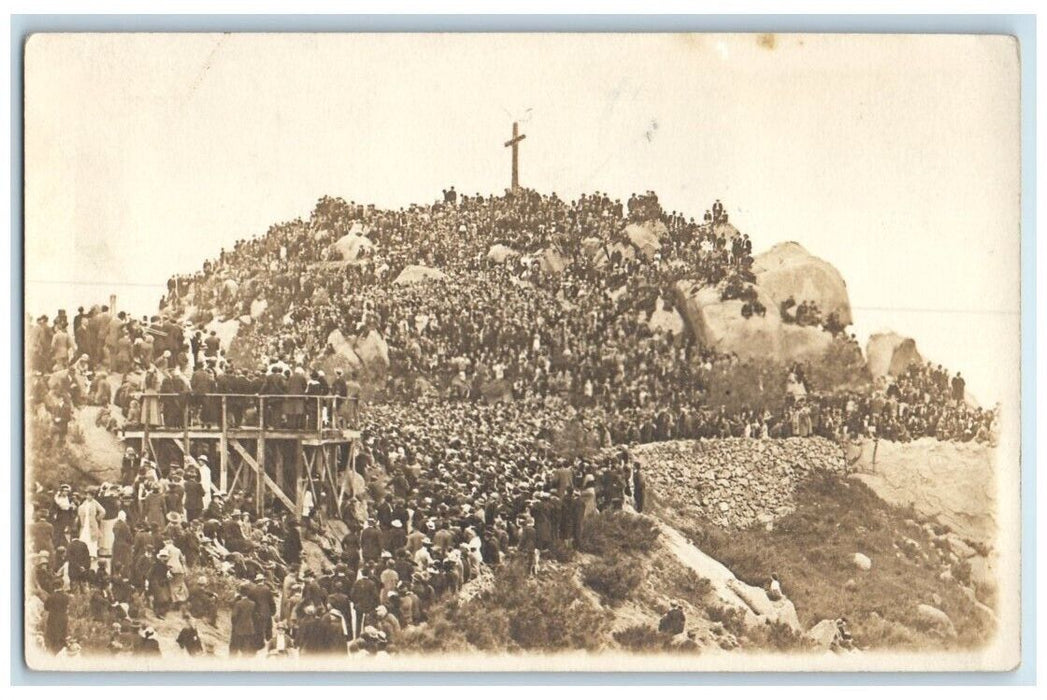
(243,634)
(56,629)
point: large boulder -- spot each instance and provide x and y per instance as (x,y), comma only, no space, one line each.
(225,330)
(499,253)
(823,635)
(787,270)
(551,261)
(373,352)
(890,354)
(343,357)
(664,320)
(418,273)
(646,237)
(720,325)
(935,619)
(258,307)
(352,246)
(228,292)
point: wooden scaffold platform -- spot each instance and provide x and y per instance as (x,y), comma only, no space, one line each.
(275,447)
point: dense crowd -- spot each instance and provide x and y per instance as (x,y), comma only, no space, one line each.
(568,312)
(515,384)
(431,503)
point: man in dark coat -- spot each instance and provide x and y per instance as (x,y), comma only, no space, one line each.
(79,558)
(243,635)
(371,543)
(264,608)
(56,629)
(365,598)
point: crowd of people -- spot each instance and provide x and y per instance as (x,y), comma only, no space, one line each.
(568,314)
(431,503)
(463,463)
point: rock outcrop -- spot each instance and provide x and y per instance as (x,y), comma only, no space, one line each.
(890,354)
(953,483)
(720,325)
(352,247)
(788,270)
(499,253)
(369,354)
(418,273)
(664,320)
(646,237)
(225,330)
(343,357)
(735,482)
(373,352)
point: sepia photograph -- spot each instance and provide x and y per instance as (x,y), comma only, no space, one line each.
(522,352)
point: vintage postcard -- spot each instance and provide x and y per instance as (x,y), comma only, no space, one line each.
(478,352)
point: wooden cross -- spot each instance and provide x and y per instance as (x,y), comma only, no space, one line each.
(515,143)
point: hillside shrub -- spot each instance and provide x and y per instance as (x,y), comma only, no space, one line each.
(841,366)
(643,638)
(617,531)
(547,613)
(732,619)
(747,384)
(614,580)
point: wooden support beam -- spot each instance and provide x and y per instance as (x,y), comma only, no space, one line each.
(260,476)
(223,450)
(279,464)
(236,477)
(260,472)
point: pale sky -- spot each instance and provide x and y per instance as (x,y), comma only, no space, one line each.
(894,158)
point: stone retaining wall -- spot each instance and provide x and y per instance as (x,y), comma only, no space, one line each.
(734,482)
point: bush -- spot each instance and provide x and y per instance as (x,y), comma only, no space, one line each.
(546,614)
(747,384)
(616,580)
(692,586)
(841,366)
(732,619)
(641,638)
(616,531)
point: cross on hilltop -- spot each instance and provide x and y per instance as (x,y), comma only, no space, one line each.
(515,143)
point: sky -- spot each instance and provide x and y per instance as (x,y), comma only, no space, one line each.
(894,158)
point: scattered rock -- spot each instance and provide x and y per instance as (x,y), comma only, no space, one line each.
(823,634)
(418,273)
(862,562)
(936,619)
(499,253)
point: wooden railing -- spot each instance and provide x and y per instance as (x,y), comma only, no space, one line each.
(301,413)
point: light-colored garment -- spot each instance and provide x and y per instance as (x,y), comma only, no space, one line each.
(91,514)
(205,481)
